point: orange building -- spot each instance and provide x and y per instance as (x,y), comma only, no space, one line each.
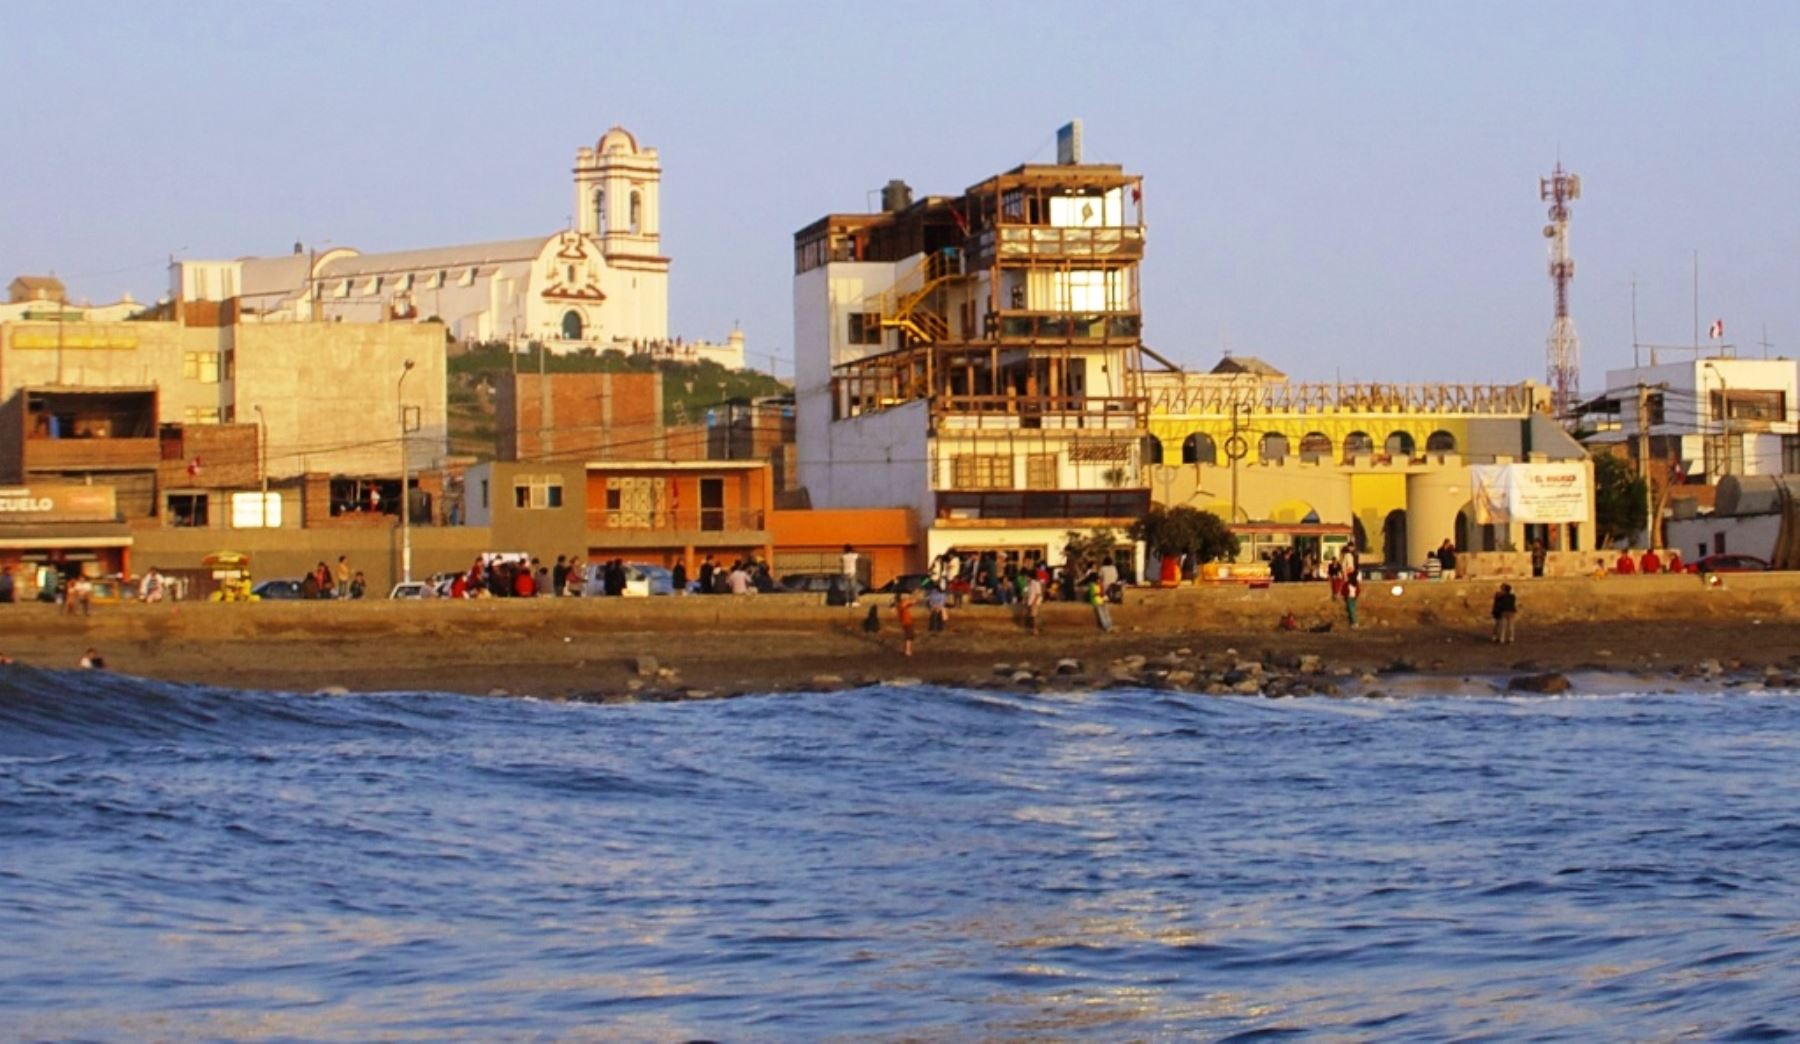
(812,541)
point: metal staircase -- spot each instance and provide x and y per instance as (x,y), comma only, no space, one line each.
(908,305)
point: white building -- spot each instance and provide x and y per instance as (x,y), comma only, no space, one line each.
(604,283)
(1708,418)
(976,359)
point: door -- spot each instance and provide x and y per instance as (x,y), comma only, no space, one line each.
(712,504)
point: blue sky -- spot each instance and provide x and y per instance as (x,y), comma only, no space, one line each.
(1345,189)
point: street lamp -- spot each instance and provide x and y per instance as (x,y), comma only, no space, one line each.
(262,440)
(405,480)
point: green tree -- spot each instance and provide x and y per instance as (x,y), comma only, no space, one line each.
(1096,546)
(1183,530)
(1618,499)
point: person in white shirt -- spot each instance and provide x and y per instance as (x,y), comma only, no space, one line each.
(850,563)
(739,580)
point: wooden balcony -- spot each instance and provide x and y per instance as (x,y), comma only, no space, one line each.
(94,454)
(968,413)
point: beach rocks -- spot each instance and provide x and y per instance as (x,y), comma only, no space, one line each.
(1068,666)
(645,666)
(1547,684)
(332,690)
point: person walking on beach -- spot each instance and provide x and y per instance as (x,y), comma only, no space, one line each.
(93,661)
(937,605)
(1096,597)
(1034,601)
(1506,608)
(1352,591)
(903,610)
(1447,559)
(849,563)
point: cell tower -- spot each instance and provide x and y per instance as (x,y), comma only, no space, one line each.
(1564,347)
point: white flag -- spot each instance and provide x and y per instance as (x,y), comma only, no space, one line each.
(1716,330)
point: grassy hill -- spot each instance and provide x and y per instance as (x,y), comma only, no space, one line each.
(689,389)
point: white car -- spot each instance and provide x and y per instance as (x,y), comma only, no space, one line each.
(413,589)
(637,581)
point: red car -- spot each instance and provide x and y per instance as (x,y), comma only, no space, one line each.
(1729,564)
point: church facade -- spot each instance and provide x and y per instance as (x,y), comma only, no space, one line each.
(602,283)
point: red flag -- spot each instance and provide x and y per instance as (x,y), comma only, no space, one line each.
(194,468)
(1716,330)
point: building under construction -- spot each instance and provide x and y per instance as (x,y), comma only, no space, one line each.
(976,358)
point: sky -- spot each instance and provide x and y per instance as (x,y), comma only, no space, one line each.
(1347,190)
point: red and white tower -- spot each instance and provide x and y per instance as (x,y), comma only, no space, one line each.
(1564,347)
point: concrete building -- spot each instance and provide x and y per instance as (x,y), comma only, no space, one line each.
(44,298)
(1401,465)
(1706,419)
(975,359)
(601,283)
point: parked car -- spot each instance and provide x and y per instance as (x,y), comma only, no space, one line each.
(1728,564)
(809,583)
(414,589)
(1383,571)
(276,590)
(641,581)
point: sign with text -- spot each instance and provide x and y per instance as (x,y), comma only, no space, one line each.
(58,504)
(1538,493)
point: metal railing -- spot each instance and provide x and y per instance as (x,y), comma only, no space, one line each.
(1195,394)
(691,519)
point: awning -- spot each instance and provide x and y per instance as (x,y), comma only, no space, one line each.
(50,536)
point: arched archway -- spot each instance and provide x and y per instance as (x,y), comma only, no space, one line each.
(1399,444)
(1461,528)
(1151,451)
(1273,446)
(1315,445)
(1358,444)
(571,325)
(636,221)
(1393,537)
(1440,442)
(1199,448)
(600,211)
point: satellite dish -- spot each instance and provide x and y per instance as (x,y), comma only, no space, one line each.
(1549,231)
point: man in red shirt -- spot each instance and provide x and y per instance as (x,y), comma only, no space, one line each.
(1650,564)
(1625,566)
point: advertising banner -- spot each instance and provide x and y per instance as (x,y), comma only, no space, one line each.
(57,504)
(1537,493)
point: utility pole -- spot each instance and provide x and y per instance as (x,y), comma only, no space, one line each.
(405,480)
(1643,414)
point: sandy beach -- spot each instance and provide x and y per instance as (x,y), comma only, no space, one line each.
(1663,627)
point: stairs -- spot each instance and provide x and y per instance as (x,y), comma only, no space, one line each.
(910,310)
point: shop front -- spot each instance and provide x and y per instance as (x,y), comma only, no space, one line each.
(51,533)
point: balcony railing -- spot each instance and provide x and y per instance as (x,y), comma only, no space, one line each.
(1080,327)
(955,413)
(1039,242)
(1056,505)
(99,454)
(692,519)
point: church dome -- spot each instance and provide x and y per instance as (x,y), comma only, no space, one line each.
(618,139)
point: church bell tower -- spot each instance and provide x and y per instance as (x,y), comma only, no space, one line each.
(617,196)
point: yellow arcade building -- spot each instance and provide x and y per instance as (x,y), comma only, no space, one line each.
(1397,463)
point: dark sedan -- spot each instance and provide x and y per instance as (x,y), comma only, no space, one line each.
(277,590)
(1729,564)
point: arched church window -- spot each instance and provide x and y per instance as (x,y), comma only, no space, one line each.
(637,212)
(571,325)
(600,211)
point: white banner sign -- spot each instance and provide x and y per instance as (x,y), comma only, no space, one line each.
(1550,493)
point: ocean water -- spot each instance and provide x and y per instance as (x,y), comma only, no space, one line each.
(180,863)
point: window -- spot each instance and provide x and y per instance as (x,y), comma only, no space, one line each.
(201,415)
(600,211)
(973,471)
(186,509)
(1274,446)
(537,492)
(435,281)
(1400,444)
(632,503)
(1440,442)
(1040,471)
(1790,454)
(1315,445)
(637,212)
(1724,455)
(865,328)
(1358,444)
(1654,404)
(406,282)
(468,277)
(256,510)
(1757,407)
(343,288)
(1199,448)
(200,366)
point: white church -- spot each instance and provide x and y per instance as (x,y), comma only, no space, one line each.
(601,284)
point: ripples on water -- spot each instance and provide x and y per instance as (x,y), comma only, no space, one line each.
(179,862)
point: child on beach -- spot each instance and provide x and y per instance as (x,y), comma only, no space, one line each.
(1352,591)
(903,608)
(1506,607)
